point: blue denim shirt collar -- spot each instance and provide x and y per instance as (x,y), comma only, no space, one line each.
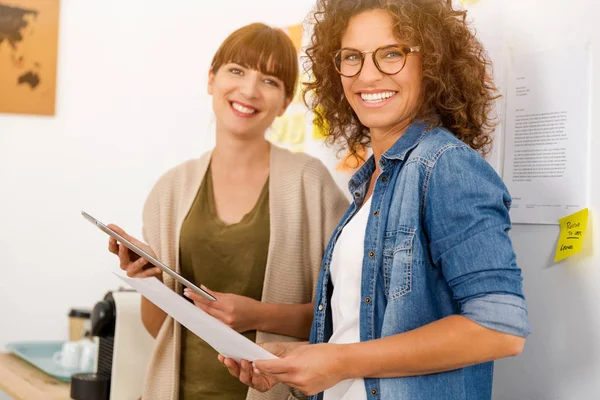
(357,182)
(408,141)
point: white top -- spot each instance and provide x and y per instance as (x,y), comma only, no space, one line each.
(346,277)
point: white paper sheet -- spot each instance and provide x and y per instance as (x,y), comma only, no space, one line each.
(221,337)
(546,153)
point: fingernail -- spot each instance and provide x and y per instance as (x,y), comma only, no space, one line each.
(256,371)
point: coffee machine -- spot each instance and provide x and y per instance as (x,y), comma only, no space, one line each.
(124,349)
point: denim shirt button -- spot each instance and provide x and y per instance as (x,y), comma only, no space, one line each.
(376,212)
(371,254)
(368,300)
(382,163)
(357,194)
(384,179)
(321,307)
(374,392)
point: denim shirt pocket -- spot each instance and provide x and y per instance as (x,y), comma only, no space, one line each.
(397,262)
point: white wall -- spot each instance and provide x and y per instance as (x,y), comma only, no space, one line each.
(561,359)
(131,103)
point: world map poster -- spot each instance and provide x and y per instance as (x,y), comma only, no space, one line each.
(28,53)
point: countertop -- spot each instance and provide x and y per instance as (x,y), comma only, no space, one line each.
(23,381)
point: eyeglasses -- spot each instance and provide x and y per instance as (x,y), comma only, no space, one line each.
(389,59)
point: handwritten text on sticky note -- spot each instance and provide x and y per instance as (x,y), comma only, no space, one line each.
(572,231)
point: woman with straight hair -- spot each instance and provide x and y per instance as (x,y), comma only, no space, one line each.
(248,220)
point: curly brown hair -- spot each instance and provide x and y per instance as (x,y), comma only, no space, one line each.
(458,90)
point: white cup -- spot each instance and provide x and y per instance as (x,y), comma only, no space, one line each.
(87,360)
(68,357)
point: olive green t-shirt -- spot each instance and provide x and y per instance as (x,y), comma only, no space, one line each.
(224,258)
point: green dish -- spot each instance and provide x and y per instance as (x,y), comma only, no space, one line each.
(39,354)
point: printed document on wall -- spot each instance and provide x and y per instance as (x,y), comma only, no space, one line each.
(546,149)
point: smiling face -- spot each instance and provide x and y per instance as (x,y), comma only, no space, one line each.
(245,100)
(383,103)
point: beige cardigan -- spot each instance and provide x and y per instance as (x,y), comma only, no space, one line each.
(305,205)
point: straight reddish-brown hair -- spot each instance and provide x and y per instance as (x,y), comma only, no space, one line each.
(265,49)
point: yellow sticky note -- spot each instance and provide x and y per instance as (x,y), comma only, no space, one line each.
(572,231)
(319,133)
(278,129)
(299,94)
(288,130)
(296,129)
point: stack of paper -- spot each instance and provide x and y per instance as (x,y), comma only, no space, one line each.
(221,337)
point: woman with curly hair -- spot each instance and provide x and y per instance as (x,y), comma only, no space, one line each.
(419,283)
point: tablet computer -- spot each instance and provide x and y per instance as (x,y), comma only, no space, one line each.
(152,260)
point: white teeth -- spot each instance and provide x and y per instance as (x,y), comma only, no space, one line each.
(242,109)
(376,97)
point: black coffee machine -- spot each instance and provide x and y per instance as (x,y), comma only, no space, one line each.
(124,349)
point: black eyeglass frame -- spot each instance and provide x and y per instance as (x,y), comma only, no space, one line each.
(404,48)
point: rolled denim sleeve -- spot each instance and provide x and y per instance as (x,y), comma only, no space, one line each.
(467,223)
(504,313)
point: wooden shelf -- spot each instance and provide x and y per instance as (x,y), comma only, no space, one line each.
(23,381)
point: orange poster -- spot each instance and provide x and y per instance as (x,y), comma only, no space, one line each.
(352,162)
(295,33)
(28,53)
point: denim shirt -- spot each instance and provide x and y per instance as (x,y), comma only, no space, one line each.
(436,244)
